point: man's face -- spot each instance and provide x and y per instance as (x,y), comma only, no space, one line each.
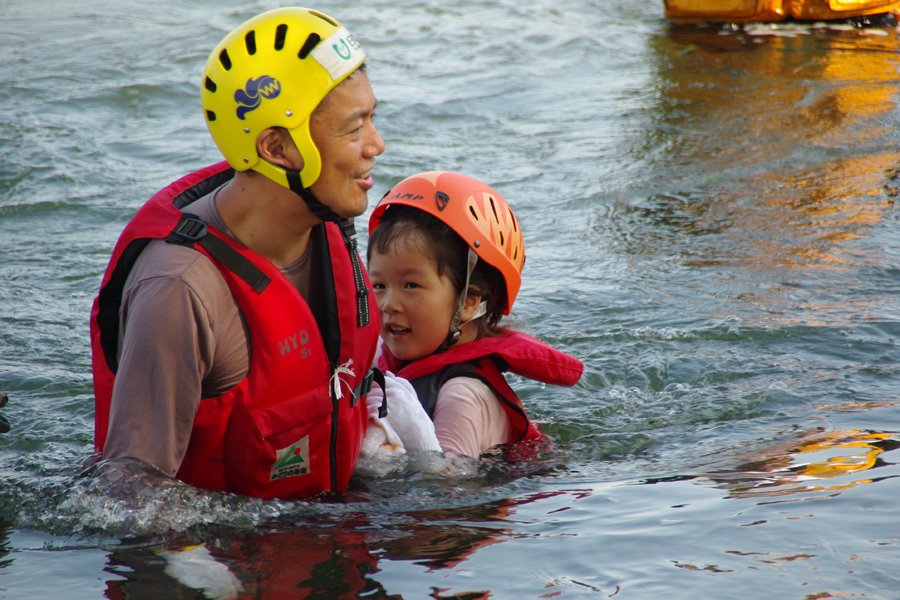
(343,131)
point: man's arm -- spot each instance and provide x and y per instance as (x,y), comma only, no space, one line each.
(165,352)
(182,338)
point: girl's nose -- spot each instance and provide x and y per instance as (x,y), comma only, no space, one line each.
(389,302)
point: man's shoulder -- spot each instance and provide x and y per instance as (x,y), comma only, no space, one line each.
(162,260)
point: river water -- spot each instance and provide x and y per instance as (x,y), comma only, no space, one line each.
(710,224)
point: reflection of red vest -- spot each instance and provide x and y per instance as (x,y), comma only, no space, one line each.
(305,562)
(486,359)
(281,432)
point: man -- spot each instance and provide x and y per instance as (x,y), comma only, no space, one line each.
(235,324)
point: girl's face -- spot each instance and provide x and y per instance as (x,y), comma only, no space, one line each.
(416,303)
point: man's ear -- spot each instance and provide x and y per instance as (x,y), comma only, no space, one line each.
(275,146)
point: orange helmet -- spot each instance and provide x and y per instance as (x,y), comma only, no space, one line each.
(477,213)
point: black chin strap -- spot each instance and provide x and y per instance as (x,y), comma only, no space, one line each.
(315,207)
(348,231)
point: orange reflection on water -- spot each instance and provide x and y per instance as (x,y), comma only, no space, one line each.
(800,116)
(808,466)
(786,160)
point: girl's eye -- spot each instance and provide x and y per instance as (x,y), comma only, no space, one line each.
(378,287)
(411,285)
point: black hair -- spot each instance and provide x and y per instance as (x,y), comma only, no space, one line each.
(401,224)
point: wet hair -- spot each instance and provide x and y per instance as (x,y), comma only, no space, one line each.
(448,252)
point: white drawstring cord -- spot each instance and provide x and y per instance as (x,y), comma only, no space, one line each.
(336,380)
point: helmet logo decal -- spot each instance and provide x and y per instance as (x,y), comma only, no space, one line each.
(340,54)
(442,199)
(253,93)
(402,196)
(346,49)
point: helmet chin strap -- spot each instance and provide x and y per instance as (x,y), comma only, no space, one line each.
(456,324)
(348,231)
(315,206)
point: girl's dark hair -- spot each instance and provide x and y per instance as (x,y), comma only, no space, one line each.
(401,224)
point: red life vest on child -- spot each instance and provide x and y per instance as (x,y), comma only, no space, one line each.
(486,359)
(294,426)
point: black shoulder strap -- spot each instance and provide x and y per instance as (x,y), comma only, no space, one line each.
(191,230)
(348,231)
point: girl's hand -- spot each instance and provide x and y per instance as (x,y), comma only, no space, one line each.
(407,416)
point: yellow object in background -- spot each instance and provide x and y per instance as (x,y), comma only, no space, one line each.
(745,11)
(736,11)
(824,10)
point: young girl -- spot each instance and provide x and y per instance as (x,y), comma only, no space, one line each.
(445,259)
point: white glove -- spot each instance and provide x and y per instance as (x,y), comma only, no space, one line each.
(406,416)
(380,436)
(198,569)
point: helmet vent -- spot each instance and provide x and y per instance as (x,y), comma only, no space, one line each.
(225,60)
(502,243)
(442,200)
(280,34)
(250,41)
(210,85)
(210,115)
(474,214)
(323,17)
(494,209)
(515,225)
(310,43)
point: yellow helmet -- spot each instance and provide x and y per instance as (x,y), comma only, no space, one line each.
(273,71)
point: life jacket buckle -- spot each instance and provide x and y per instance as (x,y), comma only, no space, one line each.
(365,386)
(188,230)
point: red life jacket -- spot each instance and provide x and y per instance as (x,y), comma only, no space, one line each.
(284,431)
(486,359)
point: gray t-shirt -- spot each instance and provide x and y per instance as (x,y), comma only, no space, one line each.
(182,339)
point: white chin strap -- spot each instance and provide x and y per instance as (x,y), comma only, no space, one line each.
(455,324)
(479,312)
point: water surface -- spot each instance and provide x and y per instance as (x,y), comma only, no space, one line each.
(710,225)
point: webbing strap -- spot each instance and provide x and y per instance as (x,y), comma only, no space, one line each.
(374,375)
(236,263)
(315,206)
(347,230)
(192,230)
(455,331)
